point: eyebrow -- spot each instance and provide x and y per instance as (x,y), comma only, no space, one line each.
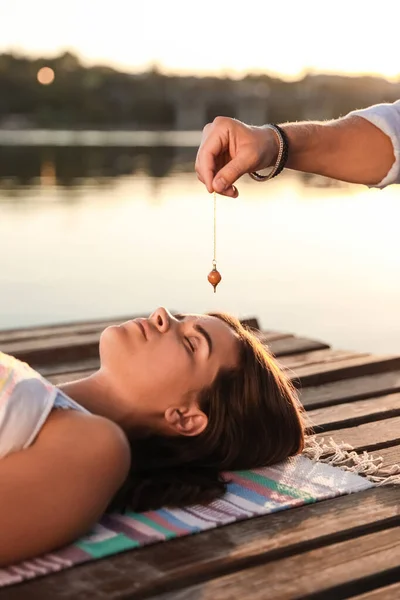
(207,337)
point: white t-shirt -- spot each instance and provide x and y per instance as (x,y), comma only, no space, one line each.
(26,400)
(387,118)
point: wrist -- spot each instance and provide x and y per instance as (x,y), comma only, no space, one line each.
(282,142)
(269,147)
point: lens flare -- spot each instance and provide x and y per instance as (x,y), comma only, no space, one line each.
(45,76)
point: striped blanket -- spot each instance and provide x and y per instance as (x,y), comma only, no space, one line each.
(292,483)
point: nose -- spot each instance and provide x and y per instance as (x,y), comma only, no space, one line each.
(161,319)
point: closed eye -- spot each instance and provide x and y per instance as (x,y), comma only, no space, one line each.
(191,346)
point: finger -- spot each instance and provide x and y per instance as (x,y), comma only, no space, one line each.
(230,173)
(235,192)
(207,158)
(205,178)
(230,192)
(208,179)
(197,165)
(205,170)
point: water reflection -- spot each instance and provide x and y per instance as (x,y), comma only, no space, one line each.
(93,232)
(48,175)
(69,167)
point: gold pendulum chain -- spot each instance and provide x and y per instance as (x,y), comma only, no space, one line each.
(214,277)
(215,232)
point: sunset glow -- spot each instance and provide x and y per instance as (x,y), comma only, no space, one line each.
(222,38)
(45,76)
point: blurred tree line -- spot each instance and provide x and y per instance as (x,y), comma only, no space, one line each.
(79,96)
(102,97)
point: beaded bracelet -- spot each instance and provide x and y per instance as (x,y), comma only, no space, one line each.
(282,157)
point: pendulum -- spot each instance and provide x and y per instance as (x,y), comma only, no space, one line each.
(214,277)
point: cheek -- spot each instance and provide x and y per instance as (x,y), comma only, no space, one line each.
(113,346)
(150,368)
(165,367)
(163,362)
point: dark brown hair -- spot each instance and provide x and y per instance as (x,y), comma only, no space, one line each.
(254,420)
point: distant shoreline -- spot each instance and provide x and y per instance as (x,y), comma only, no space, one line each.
(69,137)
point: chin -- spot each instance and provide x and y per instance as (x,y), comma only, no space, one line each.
(110,338)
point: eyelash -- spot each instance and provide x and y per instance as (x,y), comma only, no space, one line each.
(192,348)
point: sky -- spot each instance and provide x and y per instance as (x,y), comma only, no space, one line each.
(284,37)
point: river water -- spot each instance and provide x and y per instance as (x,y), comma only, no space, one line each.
(90,232)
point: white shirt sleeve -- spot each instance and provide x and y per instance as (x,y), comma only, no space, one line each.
(387,118)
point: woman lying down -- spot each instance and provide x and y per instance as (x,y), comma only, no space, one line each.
(176,400)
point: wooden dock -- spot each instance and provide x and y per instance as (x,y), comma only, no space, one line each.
(348,547)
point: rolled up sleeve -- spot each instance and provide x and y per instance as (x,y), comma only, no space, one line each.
(387,118)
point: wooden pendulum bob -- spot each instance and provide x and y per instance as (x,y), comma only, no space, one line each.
(214,277)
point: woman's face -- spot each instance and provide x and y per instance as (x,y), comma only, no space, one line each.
(162,363)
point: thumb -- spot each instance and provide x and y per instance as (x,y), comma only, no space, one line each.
(229,174)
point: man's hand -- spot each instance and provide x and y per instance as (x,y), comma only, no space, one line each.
(228,149)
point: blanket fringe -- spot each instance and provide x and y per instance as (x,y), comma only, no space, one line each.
(344,456)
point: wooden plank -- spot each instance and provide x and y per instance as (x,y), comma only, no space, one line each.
(317,357)
(369,436)
(67,329)
(59,378)
(391,456)
(173,564)
(355,413)
(390,592)
(72,369)
(347,390)
(272,336)
(47,351)
(251,323)
(353,367)
(331,572)
(287,345)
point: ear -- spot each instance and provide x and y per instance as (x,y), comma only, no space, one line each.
(187,420)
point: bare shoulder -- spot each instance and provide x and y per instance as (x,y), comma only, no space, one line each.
(96,442)
(56,489)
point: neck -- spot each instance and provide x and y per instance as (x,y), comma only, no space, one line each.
(95,394)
